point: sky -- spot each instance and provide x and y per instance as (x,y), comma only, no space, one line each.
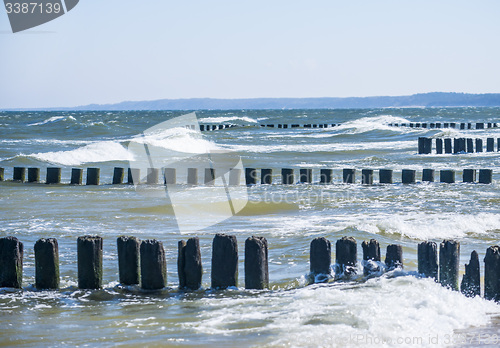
(108,51)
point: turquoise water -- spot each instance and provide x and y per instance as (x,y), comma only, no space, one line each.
(396,309)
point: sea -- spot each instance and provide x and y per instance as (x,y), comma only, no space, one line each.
(396,308)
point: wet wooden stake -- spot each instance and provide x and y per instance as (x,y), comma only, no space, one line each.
(153,265)
(93,176)
(256,263)
(47,264)
(394,256)
(189,267)
(11,262)
(428,260)
(224,261)
(19,174)
(129,259)
(492,273)
(76,176)
(321,257)
(33,174)
(89,249)
(118,174)
(449,263)
(471,281)
(349,176)
(266,176)
(53,176)
(371,255)
(251,176)
(346,255)
(385,176)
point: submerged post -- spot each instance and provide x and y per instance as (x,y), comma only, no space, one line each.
(287,177)
(471,281)
(133,176)
(428,175)
(485,176)
(349,176)
(320,258)
(439,146)
(492,273)
(153,265)
(250,176)
(449,263)
(408,176)
(189,267)
(447,145)
(346,255)
(47,264)
(224,261)
(385,176)
(470,145)
(256,263)
(2,174)
(234,176)
(479,145)
(89,249)
(266,176)
(305,175)
(428,260)
(169,176)
(76,176)
(33,174)
(118,174)
(152,176)
(93,176)
(11,262)
(490,144)
(469,175)
(53,176)
(325,176)
(394,256)
(447,176)
(192,176)
(371,255)
(19,174)
(209,176)
(367,176)
(129,259)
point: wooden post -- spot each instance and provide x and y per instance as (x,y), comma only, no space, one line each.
(129,259)
(321,258)
(424,145)
(93,176)
(169,176)
(256,263)
(471,282)
(224,261)
(385,176)
(189,267)
(479,125)
(490,144)
(209,176)
(305,175)
(394,256)
(492,273)
(250,176)
(33,174)
(133,176)
(439,146)
(371,255)
(287,176)
(470,145)
(234,176)
(346,255)
(2,174)
(118,174)
(19,174)
(76,176)
(449,261)
(266,176)
(153,265)
(152,176)
(325,176)
(469,175)
(447,176)
(192,176)
(47,264)
(485,176)
(11,262)
(89,249)
(479,145)
(428,175)
(367,176)
(349,176)
(447,145)
(428,260)
(408,176)
(459,145)
(53,176)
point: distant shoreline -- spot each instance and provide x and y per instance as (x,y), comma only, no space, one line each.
(422,100)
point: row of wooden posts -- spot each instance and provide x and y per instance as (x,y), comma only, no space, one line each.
(431,125)
(408,176)
(143,263)
(460,145)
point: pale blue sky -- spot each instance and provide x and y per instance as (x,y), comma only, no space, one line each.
(107,51)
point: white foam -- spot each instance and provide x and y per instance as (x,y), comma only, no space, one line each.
(366,124)
(53,119)
(226,119)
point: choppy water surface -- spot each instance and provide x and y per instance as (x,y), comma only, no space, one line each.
(395,309)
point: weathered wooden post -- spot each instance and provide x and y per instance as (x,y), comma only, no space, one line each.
(93,176)
(224,261)
(408,176)
(192,176)
(76,176)
(394,256)
(250,176)
(428,175)
(19,174)
(47,264)
(447,145)
(449,263)
(152,176)
(209,176)
(118,174)
(266,176)
(371,255)
(469,175)
(169,176)
(346,256)
(480,125)
(385,176)
(492,273)
(471,281)
(470,145)
(447,176)
(53,176)
(424,145)
(320,259)
(490,144)
(153,265)
(485,176)
(2,174)
(325,176)
(256,263)
(129,259)
(89,249)
(367,176)
(305,175)
(11,262)
(287,177)
(349,176)
(479,145)
(133,176)
(428,260)
(234,176)
(459,145)
(189,267)
(33,174)
(439,146)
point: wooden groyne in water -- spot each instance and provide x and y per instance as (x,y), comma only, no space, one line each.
(457,145)
(252,176)
(143,263)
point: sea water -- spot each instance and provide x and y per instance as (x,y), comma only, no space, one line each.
(395,309)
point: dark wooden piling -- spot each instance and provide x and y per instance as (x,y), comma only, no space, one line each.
(209,176)
(459,145)
(118,175)
(469,175)
(153,265)
(439,146)
(33,174)
(447,145)
(471,281)
(89,249)
(53,175)
(129,260)
(93,176)
(480,125)
(449,264)
(490,144)
(169,176)
(447,176)
(320,256)
(428,175)
(2,174)
(498,144)
(492,273)
(367,176)
(305,175)
(287,177)
(266,176)
(394,256)
(408,176)
(256,263)
(192,176)
(224,261)
(428,260)
(250,176)
(19,174)
(346,255)
(349,176)
(479,145)
(462,125)
(325,176)
(469,125)
(76,176)
(11,262)
(469,145)
(189,267)
(47,264)
(485,176)
(133,176)
(371,252)
(152,176)
(424,145)
(385,176)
